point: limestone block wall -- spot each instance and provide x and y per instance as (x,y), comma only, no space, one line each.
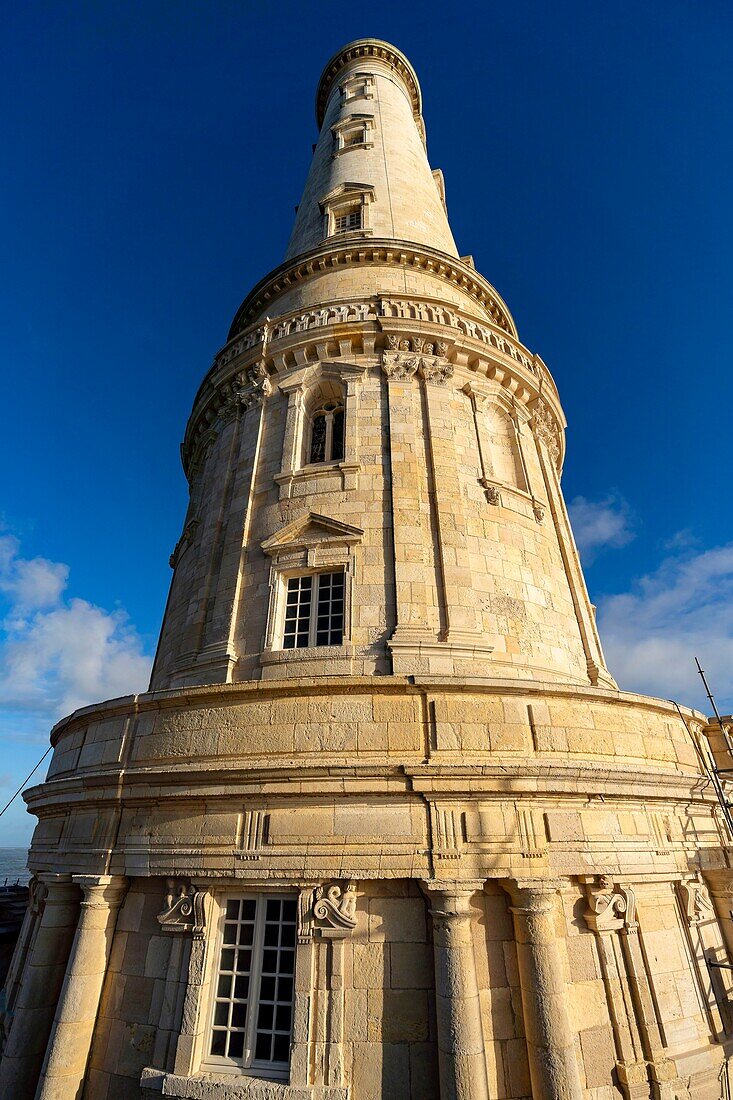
(460,555)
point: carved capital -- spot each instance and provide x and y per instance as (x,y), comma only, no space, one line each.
(247,388)
(333,910)
(186,539)
(610,907)
(400,366)
(547,431)
(406,355)
(435,370)
(183,909)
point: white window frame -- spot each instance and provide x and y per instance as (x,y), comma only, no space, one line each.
(352,214)
(313,616)
(276,1071)
(357,86)
(363,125)
(347,196)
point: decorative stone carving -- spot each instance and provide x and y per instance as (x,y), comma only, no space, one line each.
(398,366)
(493,495)
(186,539)
(318,318)
(696,904)
(334,909)
(405,356)
(436,371)
(449,829)
(609,907)
(183,909)
(252,833)
(245,343)
(538,510)
(547,430)
(441,315)
(249,387)
(37,894)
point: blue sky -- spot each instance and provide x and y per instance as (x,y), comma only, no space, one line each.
(154,155)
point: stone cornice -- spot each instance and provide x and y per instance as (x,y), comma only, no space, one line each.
(527,781)
(380,251)
(367,48)
(362,327)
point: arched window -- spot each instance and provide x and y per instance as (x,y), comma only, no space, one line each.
(325,436)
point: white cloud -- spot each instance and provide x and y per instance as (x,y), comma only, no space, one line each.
(599,524)
(683,610)
(58,653)
(29,583)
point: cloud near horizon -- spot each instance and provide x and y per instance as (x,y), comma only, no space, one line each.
(58,653)
(684,609)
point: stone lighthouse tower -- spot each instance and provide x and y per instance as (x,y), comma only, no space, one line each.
(383,826)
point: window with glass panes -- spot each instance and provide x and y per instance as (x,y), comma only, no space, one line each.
(344,220)
(253,995)
(327,434)
(314,610)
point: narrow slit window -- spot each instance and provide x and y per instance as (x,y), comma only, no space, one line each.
(327,434)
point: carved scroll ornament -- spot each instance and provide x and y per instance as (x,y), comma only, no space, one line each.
(696,904)
(334,909)
(610,907)
(183,909)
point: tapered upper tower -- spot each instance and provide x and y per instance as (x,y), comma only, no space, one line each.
(374,457)
(370,170)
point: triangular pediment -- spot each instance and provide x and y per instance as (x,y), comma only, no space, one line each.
(311,530)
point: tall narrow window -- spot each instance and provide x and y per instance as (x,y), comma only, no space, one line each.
(314,610)
(327,433)
(253,1005)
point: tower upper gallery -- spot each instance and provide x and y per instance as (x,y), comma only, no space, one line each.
(370,175)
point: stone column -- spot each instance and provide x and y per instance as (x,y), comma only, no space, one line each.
(553,1064)
(28,1031)
(460,1034)
(76,1013)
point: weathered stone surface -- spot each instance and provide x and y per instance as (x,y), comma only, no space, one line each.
(495,855)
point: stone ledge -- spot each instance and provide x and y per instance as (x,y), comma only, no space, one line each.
(346,685)
(230,1086)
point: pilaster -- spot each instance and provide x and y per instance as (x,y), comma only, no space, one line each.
(64,1067)
(29,1026)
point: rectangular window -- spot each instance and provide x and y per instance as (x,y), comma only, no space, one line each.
(357,136)
(347,219)
(253,1007)
(314,610)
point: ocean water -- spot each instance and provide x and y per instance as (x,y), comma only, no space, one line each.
(12,865)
